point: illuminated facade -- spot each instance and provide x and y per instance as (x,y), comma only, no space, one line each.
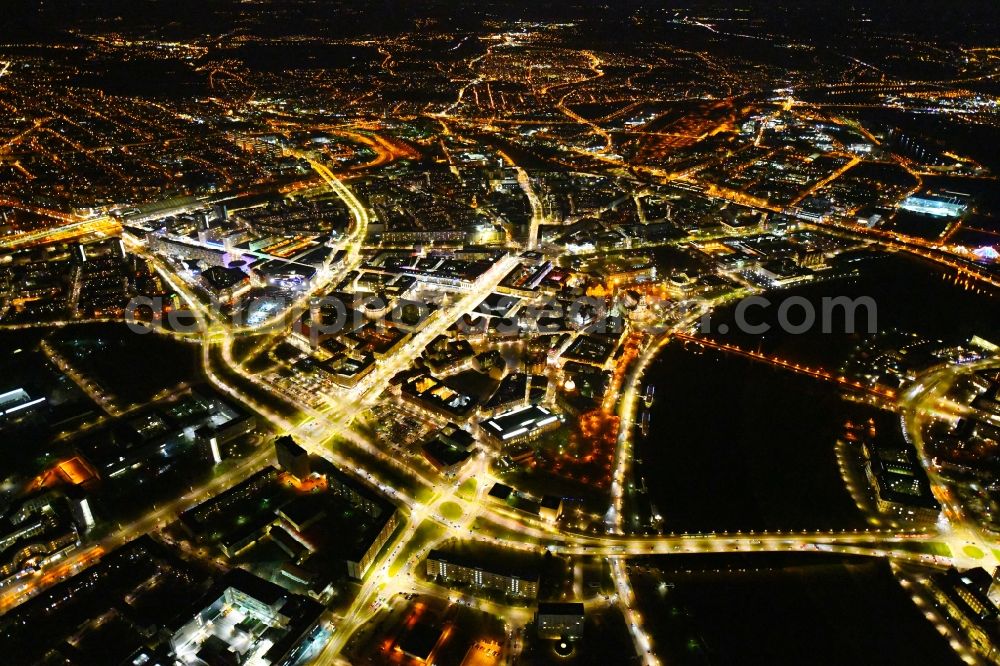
(450,568)
(936,205)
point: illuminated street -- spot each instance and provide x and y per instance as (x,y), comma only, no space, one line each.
(516,333)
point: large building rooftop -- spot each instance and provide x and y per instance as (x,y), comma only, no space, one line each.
(520,423)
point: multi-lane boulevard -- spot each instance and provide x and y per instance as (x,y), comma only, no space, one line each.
(329,431)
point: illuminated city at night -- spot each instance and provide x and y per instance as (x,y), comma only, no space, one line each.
(481,334)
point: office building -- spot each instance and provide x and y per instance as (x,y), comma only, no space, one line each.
(244,619)
(220,430)
(292,458)
(520,425)
(560,621)
(963,597)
